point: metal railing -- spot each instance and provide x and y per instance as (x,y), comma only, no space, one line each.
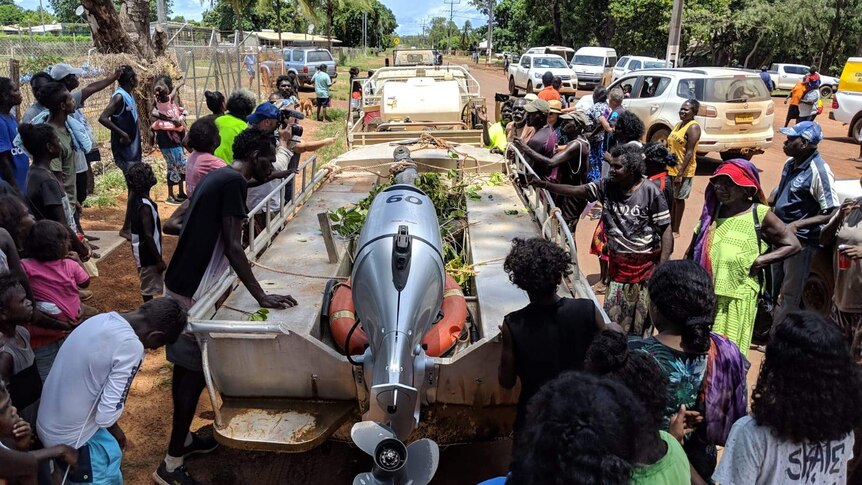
(553,226)
(309,178)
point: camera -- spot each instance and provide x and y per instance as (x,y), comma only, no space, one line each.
(296,131)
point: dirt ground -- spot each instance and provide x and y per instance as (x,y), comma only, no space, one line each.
(147,418)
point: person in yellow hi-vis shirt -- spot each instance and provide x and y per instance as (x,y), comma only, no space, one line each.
(682,143)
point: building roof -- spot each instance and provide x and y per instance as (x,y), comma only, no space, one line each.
(35,28)
(293,37)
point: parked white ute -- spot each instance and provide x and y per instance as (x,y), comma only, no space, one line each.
(627,64)
(526,75)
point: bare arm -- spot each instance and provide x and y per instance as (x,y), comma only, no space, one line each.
(606,125)
(572,152)
(692,136)
(174,224)
(506,372)
(313,146)
(817,220)
(827,235)
(6,168)
(96,86)
(666,245)
(231,235)
(105,117)
(6,367)
(784,242)
(575,191)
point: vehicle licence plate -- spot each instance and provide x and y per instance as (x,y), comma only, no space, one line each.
(746,118)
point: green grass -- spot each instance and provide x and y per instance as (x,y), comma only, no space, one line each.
(334,127)
(109,185)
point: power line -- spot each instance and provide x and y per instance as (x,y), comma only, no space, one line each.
(451,4)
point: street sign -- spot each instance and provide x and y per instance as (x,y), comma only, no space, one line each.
(396,41)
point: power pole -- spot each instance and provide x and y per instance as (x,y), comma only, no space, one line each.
(161,11)
(490,27)
(451,4)
(672,56)
(365,31)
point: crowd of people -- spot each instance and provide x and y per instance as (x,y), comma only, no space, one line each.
(650,397)
(646,399)
(65,369)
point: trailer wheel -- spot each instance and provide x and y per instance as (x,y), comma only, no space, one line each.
(825,91)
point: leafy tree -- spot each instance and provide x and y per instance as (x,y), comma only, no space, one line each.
(326,9)
(347,25)
(10,14)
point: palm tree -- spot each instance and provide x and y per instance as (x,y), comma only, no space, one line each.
(311,9)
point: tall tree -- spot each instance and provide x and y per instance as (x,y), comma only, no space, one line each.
(313,9)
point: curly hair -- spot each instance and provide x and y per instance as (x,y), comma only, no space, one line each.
(579,429)
(215,101)
(629,127)
(167,316)
(203,135)
(241,103)
(12,211)
(41,75)
(683,293)
(127,74)
(600,94)
(281,79)
(48,241)
(8,282)
(251,141)
(166,80)
(140,178)
(658,154)
(6,85)
(632,158)
(809,388)
(36,138)
(537,265)
(52,95)
(695,105)
(609,357)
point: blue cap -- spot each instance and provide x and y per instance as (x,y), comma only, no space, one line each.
(808,130)
(266,111)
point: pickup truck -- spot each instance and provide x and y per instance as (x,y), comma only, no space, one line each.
(305,61)
(785,76)
(526,74)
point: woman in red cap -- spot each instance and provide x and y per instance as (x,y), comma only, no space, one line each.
(733,244)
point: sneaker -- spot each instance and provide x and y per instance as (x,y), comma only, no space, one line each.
(200,445)
(172,201)
(180,476)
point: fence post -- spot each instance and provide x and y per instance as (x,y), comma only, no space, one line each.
(15,75)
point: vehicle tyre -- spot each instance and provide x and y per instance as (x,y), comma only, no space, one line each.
(817,294)
(730,155)
(825,91)
(529,87)
(513,90)
(659,135)
(856,127)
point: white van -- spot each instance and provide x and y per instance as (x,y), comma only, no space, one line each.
(594,66)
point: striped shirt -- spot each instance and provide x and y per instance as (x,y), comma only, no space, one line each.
(805,191)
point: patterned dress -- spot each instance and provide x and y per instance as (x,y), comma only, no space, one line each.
(733,249)
(597,142)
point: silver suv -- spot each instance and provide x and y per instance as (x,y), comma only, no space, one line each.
(305,60)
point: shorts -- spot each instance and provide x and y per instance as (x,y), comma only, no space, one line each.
(98,461)
(152,281)
(185,352)
(175,160)
(322,102)
(793,112)
(683,190)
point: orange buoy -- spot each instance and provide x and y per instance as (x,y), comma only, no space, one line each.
(437,341)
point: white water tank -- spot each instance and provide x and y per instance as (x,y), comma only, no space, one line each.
(421,99)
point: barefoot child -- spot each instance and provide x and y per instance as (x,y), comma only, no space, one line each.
(146,232)
(17,361)
(55,275)
(169,129)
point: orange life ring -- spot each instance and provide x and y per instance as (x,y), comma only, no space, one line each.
(438,340)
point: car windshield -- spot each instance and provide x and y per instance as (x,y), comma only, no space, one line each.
(653,64)
(549,62)
(734,89)
(589,61)
(318,56)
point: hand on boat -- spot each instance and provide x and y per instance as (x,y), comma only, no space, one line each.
(277,301)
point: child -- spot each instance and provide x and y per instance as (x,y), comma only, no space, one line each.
(169,130)
(812,79)
(17,361)
(16,463)
(55,275)
(146,231)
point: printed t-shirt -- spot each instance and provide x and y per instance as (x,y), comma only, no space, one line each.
(848,282)
(198,165)
(65,164)
(56,282)
(754,455)
(676,146)
(43,192)
(803,192)
(229,127)
(672,469)
(222,193)
(93,370)
(634,224)
(20,161)
(321,83)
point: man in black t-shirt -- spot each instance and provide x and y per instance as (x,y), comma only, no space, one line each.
(210,229)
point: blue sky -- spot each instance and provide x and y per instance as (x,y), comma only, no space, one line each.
(408,13)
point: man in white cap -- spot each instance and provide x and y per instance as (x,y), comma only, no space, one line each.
(68,76)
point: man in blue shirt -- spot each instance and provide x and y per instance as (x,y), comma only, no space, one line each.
(805,200)
(322,82)
(767,79)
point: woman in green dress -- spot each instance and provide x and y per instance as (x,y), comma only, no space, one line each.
(728,246)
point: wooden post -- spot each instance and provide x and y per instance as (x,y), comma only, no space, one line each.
(15,73)
(326,229)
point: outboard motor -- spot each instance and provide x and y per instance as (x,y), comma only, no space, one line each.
(398,279)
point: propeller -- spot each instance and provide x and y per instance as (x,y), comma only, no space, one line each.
(394,464)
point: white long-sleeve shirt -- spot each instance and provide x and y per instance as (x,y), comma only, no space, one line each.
(93,371)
